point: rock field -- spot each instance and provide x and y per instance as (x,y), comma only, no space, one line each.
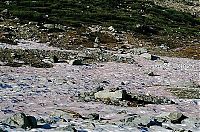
(148,94)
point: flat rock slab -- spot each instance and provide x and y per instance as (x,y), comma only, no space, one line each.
(116,95)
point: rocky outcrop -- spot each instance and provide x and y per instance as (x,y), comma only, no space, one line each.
(20,120)
(122,98)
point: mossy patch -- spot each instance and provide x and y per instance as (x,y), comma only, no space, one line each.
(186,93)
(12,57)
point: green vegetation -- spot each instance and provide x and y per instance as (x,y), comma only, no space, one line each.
(13,57)
(122,14)
(146,20)
(184,93)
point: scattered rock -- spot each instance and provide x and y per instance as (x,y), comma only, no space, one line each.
(69,128)
(152,74)
(76,62)
(148,99)
(3,85)
(137,120)
(159,129)
(176,117)
(54,27)
(93,116)
(138,51)
(46,126)
(116,95)
(20,120)
(149,56)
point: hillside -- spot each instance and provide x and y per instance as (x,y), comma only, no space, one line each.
(100,65)
(155,23)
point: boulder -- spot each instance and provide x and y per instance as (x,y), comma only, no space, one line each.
(32,121)
(20,120)
(116,95)
(176,117)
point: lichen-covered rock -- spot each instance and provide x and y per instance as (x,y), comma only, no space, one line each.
(20,120)
(176,117)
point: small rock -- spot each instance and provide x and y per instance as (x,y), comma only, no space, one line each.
(149,56)
(192,122)
(126,46)
(2,85)
(111,29)
(125,83)
(5,11)
(159,129)
(69,128)
(46,126)
(152,74)
(75,62)
(138,51)
(93,116)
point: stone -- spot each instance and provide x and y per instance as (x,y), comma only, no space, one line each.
(159,129)
(192,122)
(5,128)
(124,58)
(54,27)
(111,29)
(128,119)
(138,51)
(136,120)
(152,74)
(126,46)
(149,56)
(149,99)
(116,95)
(75,62)
(125,82)
(49,26)
(5,11)
(93,116)
(95,29)
(176,117)
(69,128)
(18,120)
(4,85)
(32,121)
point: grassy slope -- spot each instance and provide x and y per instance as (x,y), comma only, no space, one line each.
(170,27)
